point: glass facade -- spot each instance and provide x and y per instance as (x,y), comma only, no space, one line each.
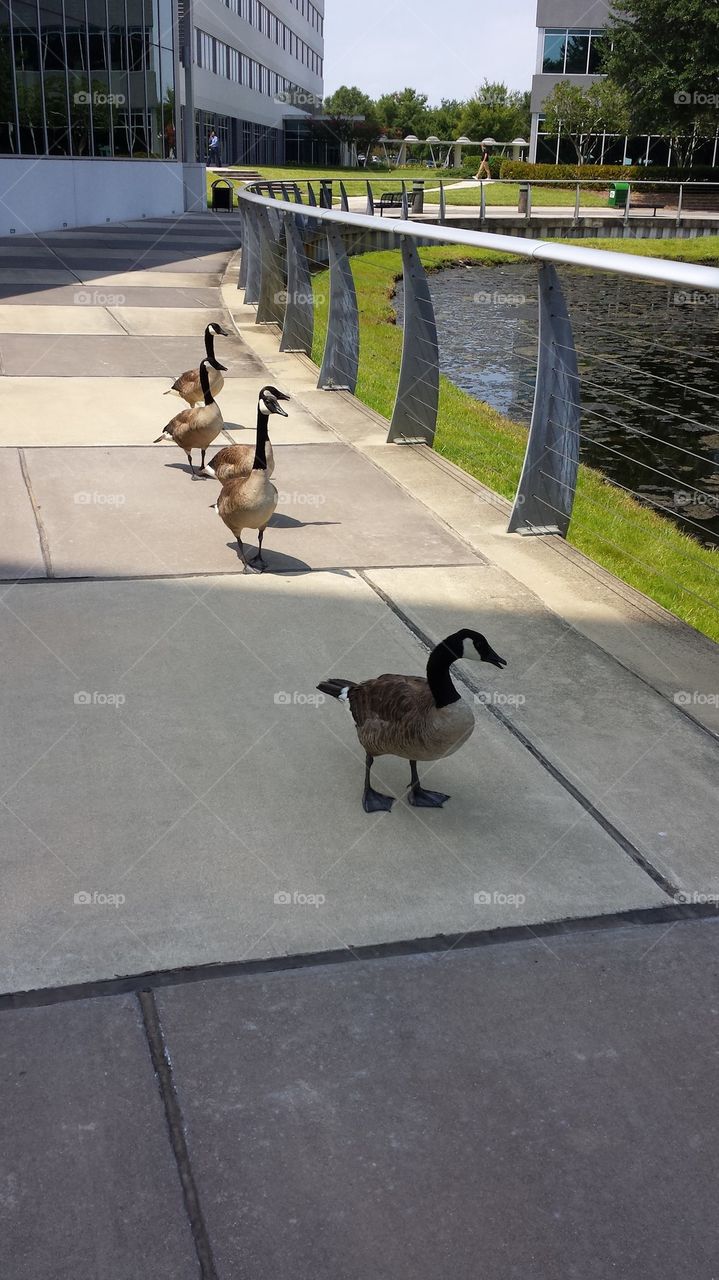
(569,52)
(87,78)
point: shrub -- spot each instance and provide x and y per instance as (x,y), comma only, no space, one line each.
(514,169)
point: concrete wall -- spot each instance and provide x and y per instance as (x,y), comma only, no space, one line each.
(572,13)
(47,193)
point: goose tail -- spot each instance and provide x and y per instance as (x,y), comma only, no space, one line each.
(337,688)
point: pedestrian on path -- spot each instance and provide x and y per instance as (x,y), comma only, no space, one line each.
(213,150)
(483,170)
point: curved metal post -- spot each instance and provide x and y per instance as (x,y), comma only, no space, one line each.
(405,205)
(415,408)
(482,202)
(442,204)
(545,494)
(344,202)
(254,264)
(242,274)
(341,355)
(370,201)
(271,301)
(311,198)
(298,327)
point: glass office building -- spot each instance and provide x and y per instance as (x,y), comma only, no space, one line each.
(87,78)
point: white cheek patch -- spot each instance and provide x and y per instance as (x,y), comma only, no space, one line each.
(469,652)
(263,408)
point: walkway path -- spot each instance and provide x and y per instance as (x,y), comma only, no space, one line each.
(164,757)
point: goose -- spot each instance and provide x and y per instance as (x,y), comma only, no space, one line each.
(413,718)
(248,502)
(196,428)
(237,459)
(188,384)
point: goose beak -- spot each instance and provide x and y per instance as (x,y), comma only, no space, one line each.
(160,439)
(496,661)
(225,333)
(275,407)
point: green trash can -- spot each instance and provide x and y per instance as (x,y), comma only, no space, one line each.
(618,194)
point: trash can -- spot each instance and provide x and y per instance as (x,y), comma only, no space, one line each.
(618,194)
(418,195)
(523,201)
(222,195)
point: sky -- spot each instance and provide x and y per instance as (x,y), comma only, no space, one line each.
(444,48)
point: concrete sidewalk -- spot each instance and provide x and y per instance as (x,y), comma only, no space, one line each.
(181,822)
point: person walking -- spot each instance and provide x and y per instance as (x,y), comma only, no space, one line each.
(213,150)
(483,170)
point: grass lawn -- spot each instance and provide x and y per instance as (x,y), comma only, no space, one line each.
(355,180)
(638,545)
(508,193)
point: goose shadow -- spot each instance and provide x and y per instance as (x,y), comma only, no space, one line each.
(281,521)
(277,561)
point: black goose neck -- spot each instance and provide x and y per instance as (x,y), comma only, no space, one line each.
(205,384)
(439,678)
(210,349)
(260,462)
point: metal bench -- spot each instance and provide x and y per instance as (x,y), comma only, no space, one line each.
(389,200)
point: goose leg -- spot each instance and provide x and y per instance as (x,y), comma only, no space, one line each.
(373,801)
(258,559)
(192,469)
(241,553)
(202,460)
(421,798)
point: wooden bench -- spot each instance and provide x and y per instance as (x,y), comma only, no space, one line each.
(389,200)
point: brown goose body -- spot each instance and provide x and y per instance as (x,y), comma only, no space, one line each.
(247,503)
(413,718)
(397,716)
(235,462)
(189,387)
(196,428)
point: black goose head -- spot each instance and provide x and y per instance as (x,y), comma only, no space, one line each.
(210,332)
(472,646)
(269,401)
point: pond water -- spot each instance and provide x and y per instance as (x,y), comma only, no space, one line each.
(648,361)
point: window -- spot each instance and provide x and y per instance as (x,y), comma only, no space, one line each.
(573,52)
(554,51)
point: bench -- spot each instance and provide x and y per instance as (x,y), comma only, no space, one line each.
(389,200)
(276,189)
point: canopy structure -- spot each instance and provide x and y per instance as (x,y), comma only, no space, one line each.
(452,157)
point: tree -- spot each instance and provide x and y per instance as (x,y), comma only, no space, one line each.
(444,121)
(583,115)
(665,55)
(349,101)
(403,112)
(495,112)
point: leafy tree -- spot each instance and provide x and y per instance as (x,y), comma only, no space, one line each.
(665,55)
(444,121)
(349,101)
(583,115)
(403,112)
(496,112)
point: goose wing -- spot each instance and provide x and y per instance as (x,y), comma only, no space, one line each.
(390,700)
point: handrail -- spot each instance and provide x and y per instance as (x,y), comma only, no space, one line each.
(280,239)
(660,270)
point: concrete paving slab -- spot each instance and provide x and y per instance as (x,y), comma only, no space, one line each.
(80,319)
(219,784)
(152,279)
(133,411)
(21,554)
(633,753)
(48,276)
(90,1187)
(67,295)
(166,321)
(124,512)
(526,1110)
(103,356)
